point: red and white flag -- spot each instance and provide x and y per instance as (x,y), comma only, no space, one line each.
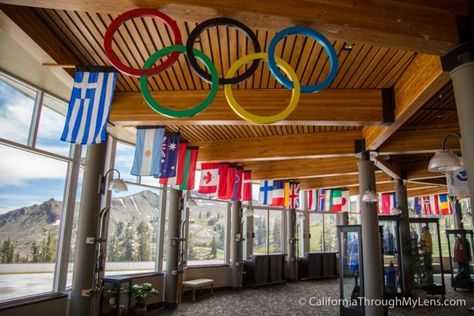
(178,179)
(247,186)
(209,176)
(430,205)
(312,198)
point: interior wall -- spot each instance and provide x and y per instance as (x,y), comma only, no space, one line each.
(55,307)
(220,275)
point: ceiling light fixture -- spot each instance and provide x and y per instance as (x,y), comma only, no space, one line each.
(445,160)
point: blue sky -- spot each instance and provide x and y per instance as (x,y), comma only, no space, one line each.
(25,178)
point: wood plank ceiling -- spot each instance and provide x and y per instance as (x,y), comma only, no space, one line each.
(361,66)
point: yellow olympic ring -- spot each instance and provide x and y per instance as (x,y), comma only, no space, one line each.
(257,119)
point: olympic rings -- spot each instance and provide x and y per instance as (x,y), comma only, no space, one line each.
(317,37)
(130,15)
(295,96)
(214,22)
(184,113)
(274,64)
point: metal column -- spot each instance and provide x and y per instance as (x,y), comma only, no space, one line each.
(402,201)
(457,216)
(236,245)
(174,222)
(292,263)
(463,79)
(372,256)
(85,260)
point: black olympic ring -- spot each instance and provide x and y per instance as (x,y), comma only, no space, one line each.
(215,22)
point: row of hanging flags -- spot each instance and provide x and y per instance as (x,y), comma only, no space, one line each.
(226,181)
(328,200)
(436,204)
(285,193)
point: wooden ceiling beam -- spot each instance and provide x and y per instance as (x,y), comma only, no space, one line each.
(318,145)
(420,140)
(411,187)
(419,171)
(434,181)
(422,79)
(395,23)
(427,191)
(302,168)
(340,181)
(354,107)
(25,27)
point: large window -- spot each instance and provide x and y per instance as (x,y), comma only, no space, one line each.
(322,227)
(268,230)
(133,230)
(207,231)
(35,173)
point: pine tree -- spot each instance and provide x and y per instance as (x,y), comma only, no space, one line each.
(143,237)
(35,252)
(129,243)
(276,235)
(213,248)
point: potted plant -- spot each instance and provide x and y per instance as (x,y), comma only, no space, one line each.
(141,292)
(415,251)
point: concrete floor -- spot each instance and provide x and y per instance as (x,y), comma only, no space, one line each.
(287,300)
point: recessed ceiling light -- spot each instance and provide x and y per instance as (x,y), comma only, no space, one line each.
(348,46)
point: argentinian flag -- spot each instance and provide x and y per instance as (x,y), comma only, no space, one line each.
(147,161)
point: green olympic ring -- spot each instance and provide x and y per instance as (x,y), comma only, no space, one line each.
(183,113)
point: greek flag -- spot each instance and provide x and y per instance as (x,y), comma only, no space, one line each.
(147,161)
(88,112)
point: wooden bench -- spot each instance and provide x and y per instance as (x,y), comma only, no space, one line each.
(198,284)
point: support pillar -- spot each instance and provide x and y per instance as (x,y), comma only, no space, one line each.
(372,256)
(292,265)
(236,245)
(85,259)
(457,216)
(174,222)
(402,201)
(463,78)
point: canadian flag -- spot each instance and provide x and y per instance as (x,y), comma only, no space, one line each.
(209,173)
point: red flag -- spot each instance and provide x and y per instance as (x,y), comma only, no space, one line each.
(178,179)
(247,185)
(294,195)
(222,183)
(209,175)
(231,173)
(237,192)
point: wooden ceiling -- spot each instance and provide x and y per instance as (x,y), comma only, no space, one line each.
(379,46)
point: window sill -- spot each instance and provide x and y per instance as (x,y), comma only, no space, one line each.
(29,300)
(210,265)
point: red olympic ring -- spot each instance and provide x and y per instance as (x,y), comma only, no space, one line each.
(134,14)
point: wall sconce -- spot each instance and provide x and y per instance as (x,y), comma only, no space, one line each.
(116,184)
(370,196)
(445,160)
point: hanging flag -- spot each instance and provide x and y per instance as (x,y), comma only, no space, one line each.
(209,175)
(230,182)
(222,182)
(388,202)
(417,207)
(287,194)
(312,198)
(340,200)
(237,194)
(147,160)
(294,195)
(189,169)
(430,205)
(457,183)
(180,162)
(89,107)
(444,205)
(278,193)
(247,186)
(322,200)
(265,195)
(169,155)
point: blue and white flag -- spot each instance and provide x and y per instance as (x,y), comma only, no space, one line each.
(169,156)
(265,195)
(147,161)
(89,107)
